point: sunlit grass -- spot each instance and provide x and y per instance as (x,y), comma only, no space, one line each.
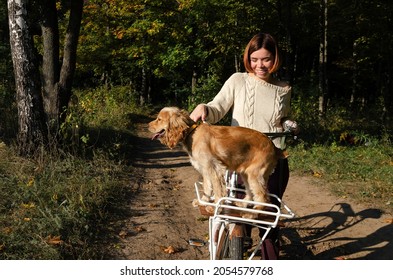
(53,210)
(57,205)
(363,172)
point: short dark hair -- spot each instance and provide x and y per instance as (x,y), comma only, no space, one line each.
(259,41)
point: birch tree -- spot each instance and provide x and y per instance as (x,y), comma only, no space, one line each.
(31,128)
(43,87)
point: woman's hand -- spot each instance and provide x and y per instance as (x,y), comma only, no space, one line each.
(199,113)
(291,126)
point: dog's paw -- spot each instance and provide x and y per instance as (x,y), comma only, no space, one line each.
(205,198)
(241,204)
(251,216)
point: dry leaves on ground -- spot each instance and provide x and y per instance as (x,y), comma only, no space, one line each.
(54,240)
(169,249)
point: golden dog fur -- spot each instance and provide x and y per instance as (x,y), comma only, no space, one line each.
(214,149)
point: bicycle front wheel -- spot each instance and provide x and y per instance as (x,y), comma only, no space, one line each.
(230,242)
(236,248)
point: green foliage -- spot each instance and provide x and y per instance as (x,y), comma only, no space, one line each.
(106,107)
(94,111)
(205,91)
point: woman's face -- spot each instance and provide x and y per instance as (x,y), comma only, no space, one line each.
(261,62)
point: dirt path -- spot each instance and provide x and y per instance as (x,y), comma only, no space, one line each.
(159,218)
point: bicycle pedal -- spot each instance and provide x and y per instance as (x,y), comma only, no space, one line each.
(196,242)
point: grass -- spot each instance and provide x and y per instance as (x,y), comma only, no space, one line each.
(57,206)
(363,172)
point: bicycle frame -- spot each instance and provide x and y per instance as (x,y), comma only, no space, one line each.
(226,204)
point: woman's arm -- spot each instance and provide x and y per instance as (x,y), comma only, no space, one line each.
(216,109)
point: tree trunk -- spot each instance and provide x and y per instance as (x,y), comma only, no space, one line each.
(323,79)
(143,92)
(64,88)
(237,63)
(58,81)
(194,81)
(42,108)
(31,129)
(50,64)
(354,91)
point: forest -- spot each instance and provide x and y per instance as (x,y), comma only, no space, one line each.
(336,53)
(74,73)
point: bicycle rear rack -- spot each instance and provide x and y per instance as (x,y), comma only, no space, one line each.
(226,211)
(228,203)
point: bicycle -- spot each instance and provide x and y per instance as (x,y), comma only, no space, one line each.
(227,228)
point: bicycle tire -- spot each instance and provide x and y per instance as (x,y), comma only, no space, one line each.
(236,248)
(236,242)
(222,246)
(230,243)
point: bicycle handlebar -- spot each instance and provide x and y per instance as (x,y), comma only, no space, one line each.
(279,134)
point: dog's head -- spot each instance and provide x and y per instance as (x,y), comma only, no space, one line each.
(170,126)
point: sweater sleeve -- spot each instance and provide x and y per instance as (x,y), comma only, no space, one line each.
(223,101)
(286,110)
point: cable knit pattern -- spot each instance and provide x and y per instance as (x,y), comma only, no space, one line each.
(249,107)
(254,103)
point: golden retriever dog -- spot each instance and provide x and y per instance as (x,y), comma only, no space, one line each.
(214,149)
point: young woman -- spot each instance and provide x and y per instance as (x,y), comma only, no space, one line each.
(259,101)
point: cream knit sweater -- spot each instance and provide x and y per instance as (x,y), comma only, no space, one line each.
(254,104)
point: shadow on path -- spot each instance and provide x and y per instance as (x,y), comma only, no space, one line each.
(329,230)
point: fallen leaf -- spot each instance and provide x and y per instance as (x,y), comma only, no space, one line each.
(28,205)
(340,258)
(317,174)
(139,229)
(31,182)
(54,240)
(169,249)
(7,230)
(123,234)
(389,221)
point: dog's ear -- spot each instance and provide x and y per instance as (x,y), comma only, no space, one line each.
(177,127)
(186,117)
